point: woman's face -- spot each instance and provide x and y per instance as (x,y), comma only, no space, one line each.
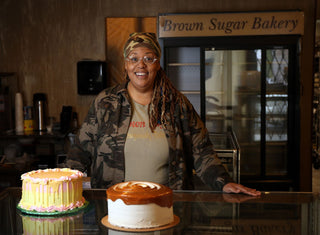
(141,74)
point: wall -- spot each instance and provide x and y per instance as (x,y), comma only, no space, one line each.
(41,41)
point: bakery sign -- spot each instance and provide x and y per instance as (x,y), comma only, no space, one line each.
(230,24)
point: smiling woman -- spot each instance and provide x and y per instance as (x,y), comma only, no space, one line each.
(141,74)
(166,148)
(141,65)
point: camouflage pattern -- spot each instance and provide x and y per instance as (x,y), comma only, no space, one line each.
(99,147)
(148,40)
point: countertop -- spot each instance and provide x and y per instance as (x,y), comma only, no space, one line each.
(200,212)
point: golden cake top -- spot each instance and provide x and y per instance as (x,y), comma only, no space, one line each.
(56,174)
(141,192)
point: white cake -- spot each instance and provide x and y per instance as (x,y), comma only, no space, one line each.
(139,204)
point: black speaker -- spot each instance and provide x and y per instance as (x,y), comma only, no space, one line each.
(91,77)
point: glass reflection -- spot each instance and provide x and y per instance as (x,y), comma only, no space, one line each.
(160,232)
(52,225)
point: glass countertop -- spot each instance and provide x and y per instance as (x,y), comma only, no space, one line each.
(200,212)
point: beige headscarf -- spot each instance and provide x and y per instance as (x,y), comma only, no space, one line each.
(142,39)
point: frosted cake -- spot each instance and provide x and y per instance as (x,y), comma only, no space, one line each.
(139,204)
(52,190)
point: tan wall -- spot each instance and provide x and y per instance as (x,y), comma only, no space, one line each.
(41,41)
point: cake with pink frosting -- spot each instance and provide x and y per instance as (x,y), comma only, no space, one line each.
(52,190)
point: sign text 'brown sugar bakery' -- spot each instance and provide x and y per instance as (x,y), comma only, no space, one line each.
(223,24)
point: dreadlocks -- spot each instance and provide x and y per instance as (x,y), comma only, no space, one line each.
(165,97)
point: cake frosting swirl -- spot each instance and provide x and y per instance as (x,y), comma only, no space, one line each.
(140,204)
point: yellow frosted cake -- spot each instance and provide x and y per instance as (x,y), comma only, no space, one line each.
(52,190)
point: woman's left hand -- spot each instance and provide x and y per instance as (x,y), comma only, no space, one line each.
(238,188)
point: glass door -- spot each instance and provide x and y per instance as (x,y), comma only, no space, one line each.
(247,91)
(249,85)
(183,69)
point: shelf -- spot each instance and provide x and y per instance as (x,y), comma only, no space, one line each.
(190,92)
(272,116)
(277,63)
(280,95)
(269,93)
(183,64)
(268,143)
(212,93)
(254,117)
(276,143)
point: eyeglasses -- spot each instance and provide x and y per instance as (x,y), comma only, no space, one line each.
(148,60)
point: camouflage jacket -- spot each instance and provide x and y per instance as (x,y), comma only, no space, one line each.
(99,146)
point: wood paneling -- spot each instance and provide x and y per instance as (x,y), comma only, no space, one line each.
(42,42)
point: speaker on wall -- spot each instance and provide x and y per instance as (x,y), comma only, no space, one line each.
(91,77)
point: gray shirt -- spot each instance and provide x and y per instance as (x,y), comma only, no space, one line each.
(146,153)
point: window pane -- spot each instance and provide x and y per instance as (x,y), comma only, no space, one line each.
(183,68)
(276,111)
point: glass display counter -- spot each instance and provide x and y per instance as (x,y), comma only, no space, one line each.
(200,212)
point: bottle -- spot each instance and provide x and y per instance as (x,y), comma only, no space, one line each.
(19,113)
(40,103)
(65,119)
(74,122)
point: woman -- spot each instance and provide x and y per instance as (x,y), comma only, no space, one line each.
(145,129)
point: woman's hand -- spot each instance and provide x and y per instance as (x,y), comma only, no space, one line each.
(238,188)
(237,197)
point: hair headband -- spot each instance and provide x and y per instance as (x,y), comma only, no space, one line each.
(142,39)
